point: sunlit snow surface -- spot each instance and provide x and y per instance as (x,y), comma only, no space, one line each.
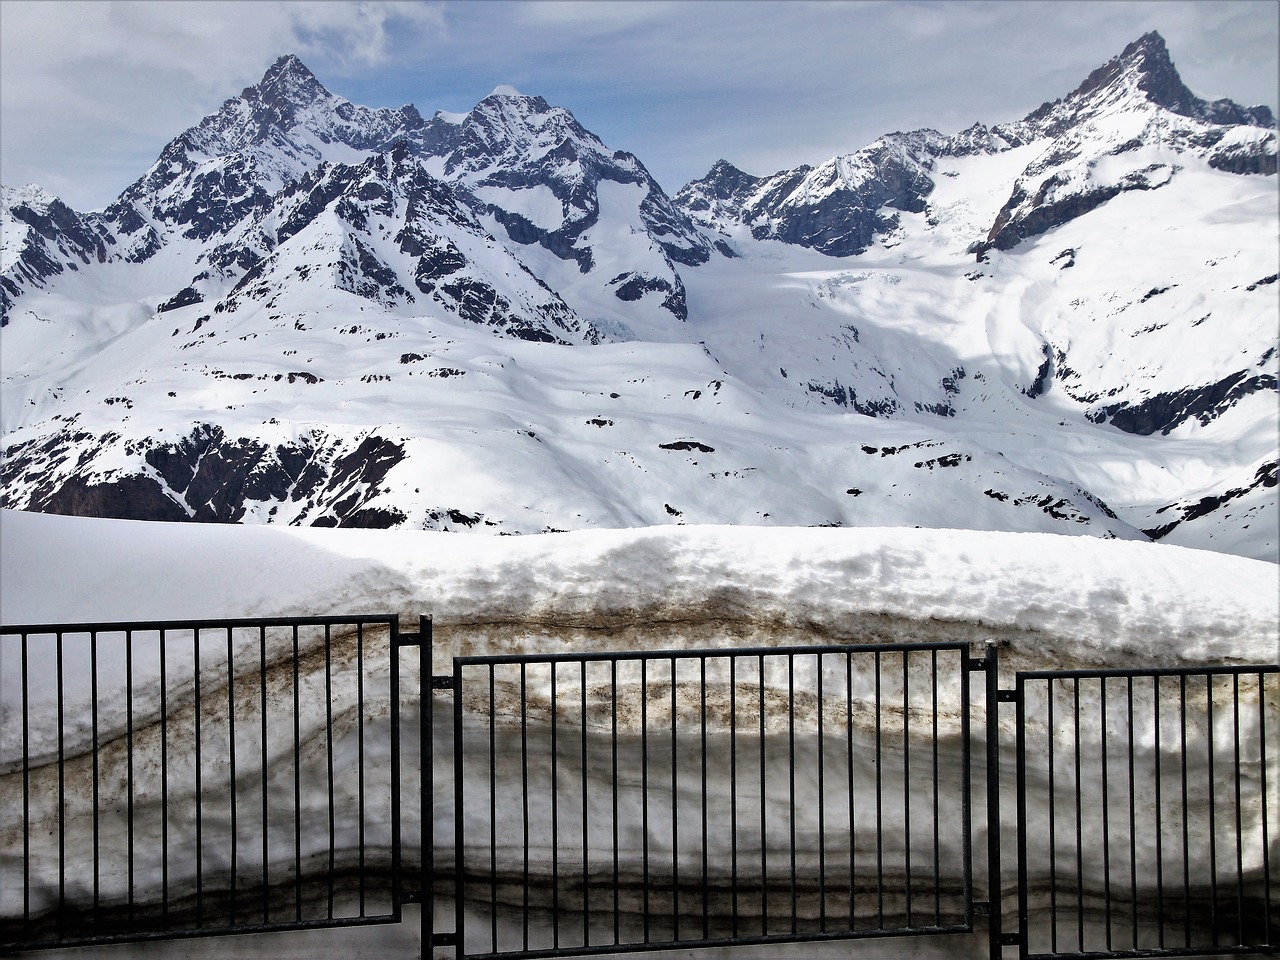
(532,436)
(1059,600)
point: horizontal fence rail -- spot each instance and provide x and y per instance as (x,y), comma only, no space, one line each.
(1148,811)
(200,778)
(162,780)
(641,801)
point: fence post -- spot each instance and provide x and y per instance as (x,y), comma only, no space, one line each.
(426,804)
(995,917)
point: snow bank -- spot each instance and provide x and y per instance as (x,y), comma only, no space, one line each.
(1059,601)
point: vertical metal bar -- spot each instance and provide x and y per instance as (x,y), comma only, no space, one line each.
(764,806)
(62,789)
(266,830)
(195,654)
(1053,840)
(791,783)
(644,788)
(93,685)
(393,652)
(586,838)
(426,780)
(328,746)
(966,778)
(1155,698)
(524,789)
(460,804)
(613,757)
(555,814)
(1263,790)
(937,852)
(164,785)
(26,786)
(879,803)
(1020,749)
(231,777)
(733,792)
(1075,688)
(297,787)
(822,812)
(675,814)
(906,775)
(706,882)
(493,817)
(328,749)
(1213,826)
(853,806)
(1235,706)
(1186,846)
(995,931)
(1106,813)
(360,710)
(1133,833)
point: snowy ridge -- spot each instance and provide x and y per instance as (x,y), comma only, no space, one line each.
(309,312)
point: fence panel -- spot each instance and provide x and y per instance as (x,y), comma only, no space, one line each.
(163,780)
(1148,811)
(639,801)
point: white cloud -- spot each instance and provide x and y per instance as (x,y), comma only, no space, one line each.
(91,91)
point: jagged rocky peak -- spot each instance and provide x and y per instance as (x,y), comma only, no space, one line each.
(1134,100)
(723,181)
(287,83)
(42,237)
(1145,70)
(509,129)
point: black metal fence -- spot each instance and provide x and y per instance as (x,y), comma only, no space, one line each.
(1148,811)
(163,780)
(193,778)
(638,801)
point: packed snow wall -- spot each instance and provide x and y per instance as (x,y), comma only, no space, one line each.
(1054,602)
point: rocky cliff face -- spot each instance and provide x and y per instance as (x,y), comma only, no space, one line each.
(1088,147)
(312,312)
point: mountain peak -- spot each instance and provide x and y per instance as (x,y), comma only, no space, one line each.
(1144,67)
(289,82)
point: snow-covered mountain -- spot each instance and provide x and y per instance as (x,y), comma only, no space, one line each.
(317,313)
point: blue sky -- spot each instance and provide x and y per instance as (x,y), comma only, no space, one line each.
(91,92)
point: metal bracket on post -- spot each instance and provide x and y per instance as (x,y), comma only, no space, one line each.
(430,683)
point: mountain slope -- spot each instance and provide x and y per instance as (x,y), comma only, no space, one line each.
(315,313)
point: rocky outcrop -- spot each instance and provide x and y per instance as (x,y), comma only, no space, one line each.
(1164,411)
(206,476)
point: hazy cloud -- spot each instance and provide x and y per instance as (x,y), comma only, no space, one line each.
(91,92)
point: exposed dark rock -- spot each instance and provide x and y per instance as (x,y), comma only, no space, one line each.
(1165,411)
(1264,477)
(949,460)
(205,476)
(183,298)
(125,498)
(1044,374)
